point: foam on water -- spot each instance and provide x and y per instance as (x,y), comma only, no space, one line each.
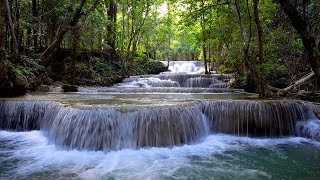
(147,82)
(189,67)
(33,155)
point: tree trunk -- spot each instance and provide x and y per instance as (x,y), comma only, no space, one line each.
(35,31)
(204,39)
(134,36)
(68,24)
(259,29)
(246,48)
(12,29)
(18,31)
(51,51)
(169,33)
(112,16)
(260,43)
(309,42)
(2,26)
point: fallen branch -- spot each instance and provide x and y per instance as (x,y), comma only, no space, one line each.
(297,83)
(273,89)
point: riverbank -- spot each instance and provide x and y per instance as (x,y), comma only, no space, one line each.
(25,74)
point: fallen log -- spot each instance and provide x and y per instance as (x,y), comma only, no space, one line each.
(297,83)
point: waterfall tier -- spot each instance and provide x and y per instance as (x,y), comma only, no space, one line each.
(176,80)
(117,128)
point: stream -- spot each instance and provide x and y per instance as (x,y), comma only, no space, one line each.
(176,125)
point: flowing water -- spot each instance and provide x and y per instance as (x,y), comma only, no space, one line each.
(167,126)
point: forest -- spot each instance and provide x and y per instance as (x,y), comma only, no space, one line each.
(271,47)
(160,89)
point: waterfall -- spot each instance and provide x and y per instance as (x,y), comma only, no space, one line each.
(157,90)
(22,115)
(115,128)
(189,67)
(147,82)
(201,82)
(110,129)
(257,118)
(195,80)
(219,85)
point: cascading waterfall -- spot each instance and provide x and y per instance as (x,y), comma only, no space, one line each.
(258,118)
(201,82)
(147,82)
(158,90)
(22,115)
(122,128)
(219,85)
(170,126)
(190,67)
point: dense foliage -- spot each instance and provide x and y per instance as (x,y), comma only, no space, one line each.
(253,39)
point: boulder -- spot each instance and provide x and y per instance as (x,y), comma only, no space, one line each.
(11,82)
(70,88)
(58,83)
(43,88)
(47,81)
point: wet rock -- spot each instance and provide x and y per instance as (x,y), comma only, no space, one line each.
(20,84)
(47,81)
(70,88)
(11,82)
(43,88)
(34,82)
(58,83)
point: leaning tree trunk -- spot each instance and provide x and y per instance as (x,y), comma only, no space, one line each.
(309,42)
(12,29)
(48,55)
(52,50)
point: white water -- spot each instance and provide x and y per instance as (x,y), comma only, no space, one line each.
(188,67)
(149,82)
(36,155)
(30,155)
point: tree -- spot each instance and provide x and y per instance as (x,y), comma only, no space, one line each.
(67,25)
(112,16)
(2,27)
(248,60)
(12,29)
(260,43)
(301,26)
